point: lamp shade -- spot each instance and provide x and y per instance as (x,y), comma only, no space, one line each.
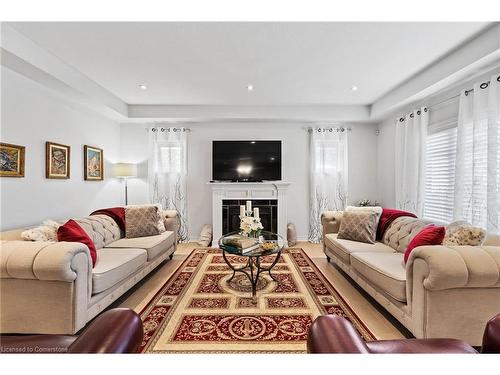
(125,170)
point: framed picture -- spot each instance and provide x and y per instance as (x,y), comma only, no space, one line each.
(93,163)
(11,160)
(57,160)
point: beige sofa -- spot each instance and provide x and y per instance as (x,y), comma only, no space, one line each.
(51,287)
(441,292)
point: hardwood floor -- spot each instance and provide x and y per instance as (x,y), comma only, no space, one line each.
(374,316)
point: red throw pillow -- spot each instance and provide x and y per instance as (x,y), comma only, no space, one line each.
(430,235)
(387,217)
(72,232)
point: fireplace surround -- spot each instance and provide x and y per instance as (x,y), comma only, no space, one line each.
(270,197)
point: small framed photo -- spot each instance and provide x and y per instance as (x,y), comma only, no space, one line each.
(93,159)
(11,160)
(57,160)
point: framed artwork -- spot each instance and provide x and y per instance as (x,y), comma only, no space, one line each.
(57,160)
(93,163)
(11,160)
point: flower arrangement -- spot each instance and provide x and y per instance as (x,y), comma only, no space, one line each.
(366,203)
(250,225)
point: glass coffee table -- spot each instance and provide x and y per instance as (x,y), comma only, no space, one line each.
(267,244)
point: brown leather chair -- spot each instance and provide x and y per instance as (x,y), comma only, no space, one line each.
(334,334)
(115,331)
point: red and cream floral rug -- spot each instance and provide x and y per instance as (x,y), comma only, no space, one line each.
(198,310)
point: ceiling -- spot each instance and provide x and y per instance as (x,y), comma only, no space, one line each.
(212,63)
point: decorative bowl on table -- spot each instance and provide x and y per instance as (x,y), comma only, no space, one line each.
(269,245)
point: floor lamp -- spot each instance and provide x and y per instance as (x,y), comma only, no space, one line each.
(126,171)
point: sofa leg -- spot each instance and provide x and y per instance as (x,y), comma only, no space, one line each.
(171,256)
(328,259)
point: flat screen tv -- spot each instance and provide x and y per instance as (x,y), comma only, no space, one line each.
(246,161)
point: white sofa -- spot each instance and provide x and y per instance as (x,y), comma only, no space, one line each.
(441,292)
(52,288)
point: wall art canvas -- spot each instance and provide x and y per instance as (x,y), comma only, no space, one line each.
(57,160)
(93,163)
(11,160)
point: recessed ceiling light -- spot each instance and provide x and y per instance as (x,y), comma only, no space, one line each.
(354,88)
(250,87)
(143,87)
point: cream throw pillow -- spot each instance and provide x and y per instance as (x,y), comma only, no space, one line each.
(45,232)
(205,235)
(358,225)
(461,233)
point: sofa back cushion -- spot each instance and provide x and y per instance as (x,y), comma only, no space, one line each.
(101,229)
(402,230)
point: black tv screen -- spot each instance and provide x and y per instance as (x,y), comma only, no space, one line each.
(246,161)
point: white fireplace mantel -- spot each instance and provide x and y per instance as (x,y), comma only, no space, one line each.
(248,191)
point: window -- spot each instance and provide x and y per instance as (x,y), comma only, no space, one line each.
(326,157)
(441,151)
(170,160)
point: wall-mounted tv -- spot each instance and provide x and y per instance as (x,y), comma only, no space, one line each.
(246,161)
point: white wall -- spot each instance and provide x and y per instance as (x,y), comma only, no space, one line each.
(32,115)
(362,165)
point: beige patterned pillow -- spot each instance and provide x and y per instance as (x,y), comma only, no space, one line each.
(463,234)
(358,226)
(377,209)
(141,221)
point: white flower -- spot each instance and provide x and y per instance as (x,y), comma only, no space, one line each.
(250,224)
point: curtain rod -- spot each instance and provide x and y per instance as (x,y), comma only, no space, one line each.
(338,129)
(163,128)
(482,86)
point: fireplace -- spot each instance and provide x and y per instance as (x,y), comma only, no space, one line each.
(268,213)
(269,197)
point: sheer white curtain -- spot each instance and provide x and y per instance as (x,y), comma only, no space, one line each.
(410,149)
(168,171)
(477,170)
(328,175)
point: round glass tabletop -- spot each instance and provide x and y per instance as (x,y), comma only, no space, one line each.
(265,244)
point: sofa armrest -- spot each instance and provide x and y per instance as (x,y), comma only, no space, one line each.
(39,260)
(451,267)
(334,334)
(171,220)
(330,220)
(115,331)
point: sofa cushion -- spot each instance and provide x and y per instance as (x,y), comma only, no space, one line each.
(101,229)
(401,231)
(115,265)
(343,248)
(386,271)
(154,245)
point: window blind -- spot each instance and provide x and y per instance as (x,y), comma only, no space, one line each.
(441,148)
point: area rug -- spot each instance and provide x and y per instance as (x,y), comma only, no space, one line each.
(198,310)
